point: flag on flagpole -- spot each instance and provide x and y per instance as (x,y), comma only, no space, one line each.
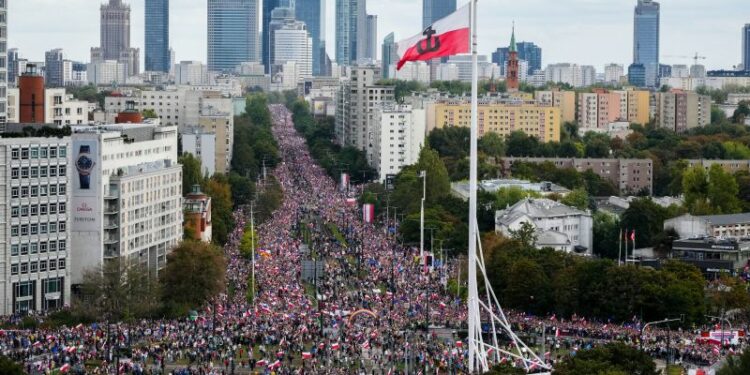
(446,37)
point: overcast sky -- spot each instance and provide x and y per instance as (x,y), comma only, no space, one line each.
(593,32)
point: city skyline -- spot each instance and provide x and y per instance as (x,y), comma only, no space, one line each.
(546,25)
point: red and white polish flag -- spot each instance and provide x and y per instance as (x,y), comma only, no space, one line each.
(446,37)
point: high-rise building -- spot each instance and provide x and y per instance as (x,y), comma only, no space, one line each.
(371,38)
(351,32)
(190,73)
(115,37)
(390,54)
(527,51)
(36,244)
(433,10)
(157,36)
(279,17)
(746,47)
(54,68)
(637,75)
(232,33)
(4,61)
(681,111)
(646,39)
(391,154)
(613,73)
(313,14)
(266,44)
(292,42)
(13,66)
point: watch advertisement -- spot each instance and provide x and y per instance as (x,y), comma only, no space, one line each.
(85,182)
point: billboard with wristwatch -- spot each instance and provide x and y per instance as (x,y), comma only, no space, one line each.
(86,190)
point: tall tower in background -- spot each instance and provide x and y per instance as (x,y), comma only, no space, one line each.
(3,63)
(313,14)
(114,37)
(232,33)
(511,76)
(390,54)
(351,39)
(746,47)
(268,7)
(646,39)
(433,10)
(371,38)
(157,36)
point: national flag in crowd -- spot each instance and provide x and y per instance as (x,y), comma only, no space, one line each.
(446,37)
(632,235)
(65,368)
(459,344)
(336,346)
(262,363)
(275,365)
(306,355)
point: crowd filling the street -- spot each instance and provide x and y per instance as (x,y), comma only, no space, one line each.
(372,308)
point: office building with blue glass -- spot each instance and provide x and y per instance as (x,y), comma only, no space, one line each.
(157,36)
(746,47)
(646,39)
(433,10)
(232,33)
(527,51)
(313,14)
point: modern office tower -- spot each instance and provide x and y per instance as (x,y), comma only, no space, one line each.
(13,66)
(313,14)
(292,42)
(268,8)
(126,194)
(4,63)
(37,211)
(390,54)
(433,10)
(115,37)
(232,33)
(637,75)
(158,58)
(371,38)
(746,47)
(279,17)
(351,20)
(54,68)
(646,39)
(527,51)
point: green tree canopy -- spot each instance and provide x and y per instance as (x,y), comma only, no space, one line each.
(609,359)
(194,274)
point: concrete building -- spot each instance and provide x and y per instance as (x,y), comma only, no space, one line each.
(571,74)
(629,175)
(292,42)
(557,226)
(545,188)
(411,71)
(313,14)
(613,73)
(58,107)
(191,73)
(588,75)
(731,166)
(681,111)
(197,207)
(562,99)
(499,116)
(447,72)
(398,135)
(269,6)
(36,245)
(202,145)
(233,33)
(127,196)
(12,71)
(54,68)
(646,25)
(714,257)
(487,69)
(357,99)
(222,125)
(371,38)
(158,57)
(720,226)
(598,109)
(115,38)
(106,73)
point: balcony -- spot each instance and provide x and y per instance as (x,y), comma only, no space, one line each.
(111,209)
(111,225)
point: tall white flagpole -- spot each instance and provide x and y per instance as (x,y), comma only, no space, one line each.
(473,297)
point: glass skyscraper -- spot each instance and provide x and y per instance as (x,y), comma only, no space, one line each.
(157,36)
(646,39)
(232,33)
(313,14)
(351,33)
(433,10)
(268,7)
(527,51)
(746,47)
(390,54)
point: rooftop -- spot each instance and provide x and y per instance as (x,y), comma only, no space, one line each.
(536,208)
(462,188)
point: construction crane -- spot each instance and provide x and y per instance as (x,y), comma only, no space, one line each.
(695,58)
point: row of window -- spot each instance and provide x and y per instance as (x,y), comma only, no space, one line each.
(38,190)
(40,228)
(41,171)
(37,247)
(26,153)
(34,267)
(38,209)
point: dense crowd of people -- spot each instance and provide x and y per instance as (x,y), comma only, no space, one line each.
(364,312)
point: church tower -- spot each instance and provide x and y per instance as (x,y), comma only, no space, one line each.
(511,75)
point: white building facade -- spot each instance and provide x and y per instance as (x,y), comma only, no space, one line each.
(35,247)
(292,42)
(399,134)
(127,196)
(202,145)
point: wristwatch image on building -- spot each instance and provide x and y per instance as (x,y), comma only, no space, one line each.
(84,165)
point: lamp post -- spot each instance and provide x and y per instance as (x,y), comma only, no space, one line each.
(423,175)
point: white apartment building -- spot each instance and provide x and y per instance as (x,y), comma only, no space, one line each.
(613,73)
(35,246)
(571,74)
(412,71)
(107,72)
(292,42)
(126,194)
(60,108)
(486,68)
(588,75)
(558,226)
(4,61)
(447,72)
(202,145)
(399,134)
(190,73)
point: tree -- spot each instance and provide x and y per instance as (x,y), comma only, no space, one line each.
(722,190)
(694,186)
(528,288)
(577,198)
(646,218)
(526,234)
(120,290)
(242,189)
(506,369)
(492,145)
(506,197)
(8,367)
(741,113)
(608,359)
(606,235)
(194,274)
(220,191)
(438,183)
(736,150)
(191,172)
(149,113)
(736,365)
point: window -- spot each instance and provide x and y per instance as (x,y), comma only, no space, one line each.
(43,171)
(61,264)
(14,154)
(42,228)
(62,151)
(34,152)
(14,192)
(53,227)
(24,268)
(52,264)
(43,152)
(14,212)
(34,210)
(53,190)
(33,248)
(24,191)
(24,211)
(52,209)
(52,246)
(14,230)
(43,190)
(43,247)
(14,250)
(33,267)
(24,229)
(53,152)
(61,208)
(14,269)
(52,172)
(24,153)
(34,229)
(25,172)
(61,171)
(62,189)
(14,173)
(61,246)
(35,191)
(34,172)
(42,266)
(61,226)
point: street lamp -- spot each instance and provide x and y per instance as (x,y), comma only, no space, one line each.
(423,175)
